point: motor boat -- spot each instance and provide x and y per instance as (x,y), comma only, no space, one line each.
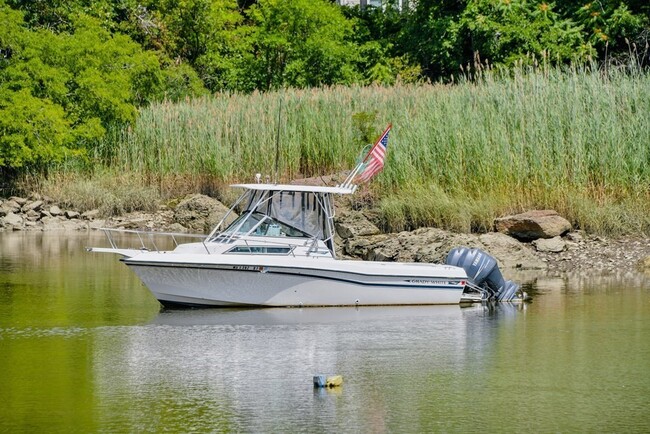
(278,249)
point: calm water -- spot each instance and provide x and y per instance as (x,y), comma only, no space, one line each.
(84,348)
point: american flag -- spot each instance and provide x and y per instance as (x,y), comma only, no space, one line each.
(374,161)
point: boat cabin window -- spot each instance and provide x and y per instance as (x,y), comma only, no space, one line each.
(263,225)
(261,250)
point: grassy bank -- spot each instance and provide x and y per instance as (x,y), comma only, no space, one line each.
(459,155)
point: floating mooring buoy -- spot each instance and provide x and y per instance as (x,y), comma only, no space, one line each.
(324,381)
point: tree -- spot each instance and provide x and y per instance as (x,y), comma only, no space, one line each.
(300,43)
(443,35)
(517,30)
(59,91)
(381,58)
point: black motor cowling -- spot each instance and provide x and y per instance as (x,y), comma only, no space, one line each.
(482,270)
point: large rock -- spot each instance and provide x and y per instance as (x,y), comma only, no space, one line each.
(354,224)
(52,223)
(432,245)
(359,247)
(510,253)
(12,220)
(550,245)
(532,225)
(32,206)
(32,215)
(200,213)
(11,205)
(19,200)
(72,214)
(61,223)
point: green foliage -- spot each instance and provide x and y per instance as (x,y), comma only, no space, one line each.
(72,69)
(380,60)
(611,25)
(31,130)
(61,90)
(364,124)
(300,43)
(507,32)
(443,36)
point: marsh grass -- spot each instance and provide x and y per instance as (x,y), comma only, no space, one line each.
(574,140)
(110,193)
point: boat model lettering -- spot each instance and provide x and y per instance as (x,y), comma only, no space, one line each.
(434,282)
(249,268)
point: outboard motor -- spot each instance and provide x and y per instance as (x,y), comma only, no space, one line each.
(483,272)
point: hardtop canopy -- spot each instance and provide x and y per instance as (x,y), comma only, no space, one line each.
(297,188)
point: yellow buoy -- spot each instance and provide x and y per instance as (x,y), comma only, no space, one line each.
(334,381)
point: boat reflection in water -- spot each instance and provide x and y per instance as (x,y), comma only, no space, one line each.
(188,317)
(253,367)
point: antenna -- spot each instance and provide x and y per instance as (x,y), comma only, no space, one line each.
(277,143)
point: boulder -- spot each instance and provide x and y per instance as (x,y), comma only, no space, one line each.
(72,214)
(60,223)
(177,228)
(510,253)
(353,224)
(19,200)
(550,245)
(90,215)
(52,223)
(32,215)
(55,210)
(12,220)
(32,206)
(532,225)
(360,247)
(575,236)
(97,224)
(11,205)
(200,213)
(431,245)
(136,223)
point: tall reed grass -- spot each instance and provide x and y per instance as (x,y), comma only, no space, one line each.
(459,155)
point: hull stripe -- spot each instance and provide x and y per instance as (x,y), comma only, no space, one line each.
(446,286)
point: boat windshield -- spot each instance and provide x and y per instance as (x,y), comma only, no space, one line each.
(262,225)
(296,213)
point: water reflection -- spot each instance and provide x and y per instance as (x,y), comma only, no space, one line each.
(49,280)
(84,348)
(253,367)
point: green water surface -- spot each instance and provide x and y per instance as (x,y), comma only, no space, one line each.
(85,348)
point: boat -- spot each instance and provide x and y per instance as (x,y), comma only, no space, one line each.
(279,250)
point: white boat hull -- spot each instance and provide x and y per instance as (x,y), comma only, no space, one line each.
(237,285)
(280,251)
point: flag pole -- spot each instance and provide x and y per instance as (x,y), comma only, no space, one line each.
(348,181)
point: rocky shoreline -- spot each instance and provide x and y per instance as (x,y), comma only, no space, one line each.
(539,240)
